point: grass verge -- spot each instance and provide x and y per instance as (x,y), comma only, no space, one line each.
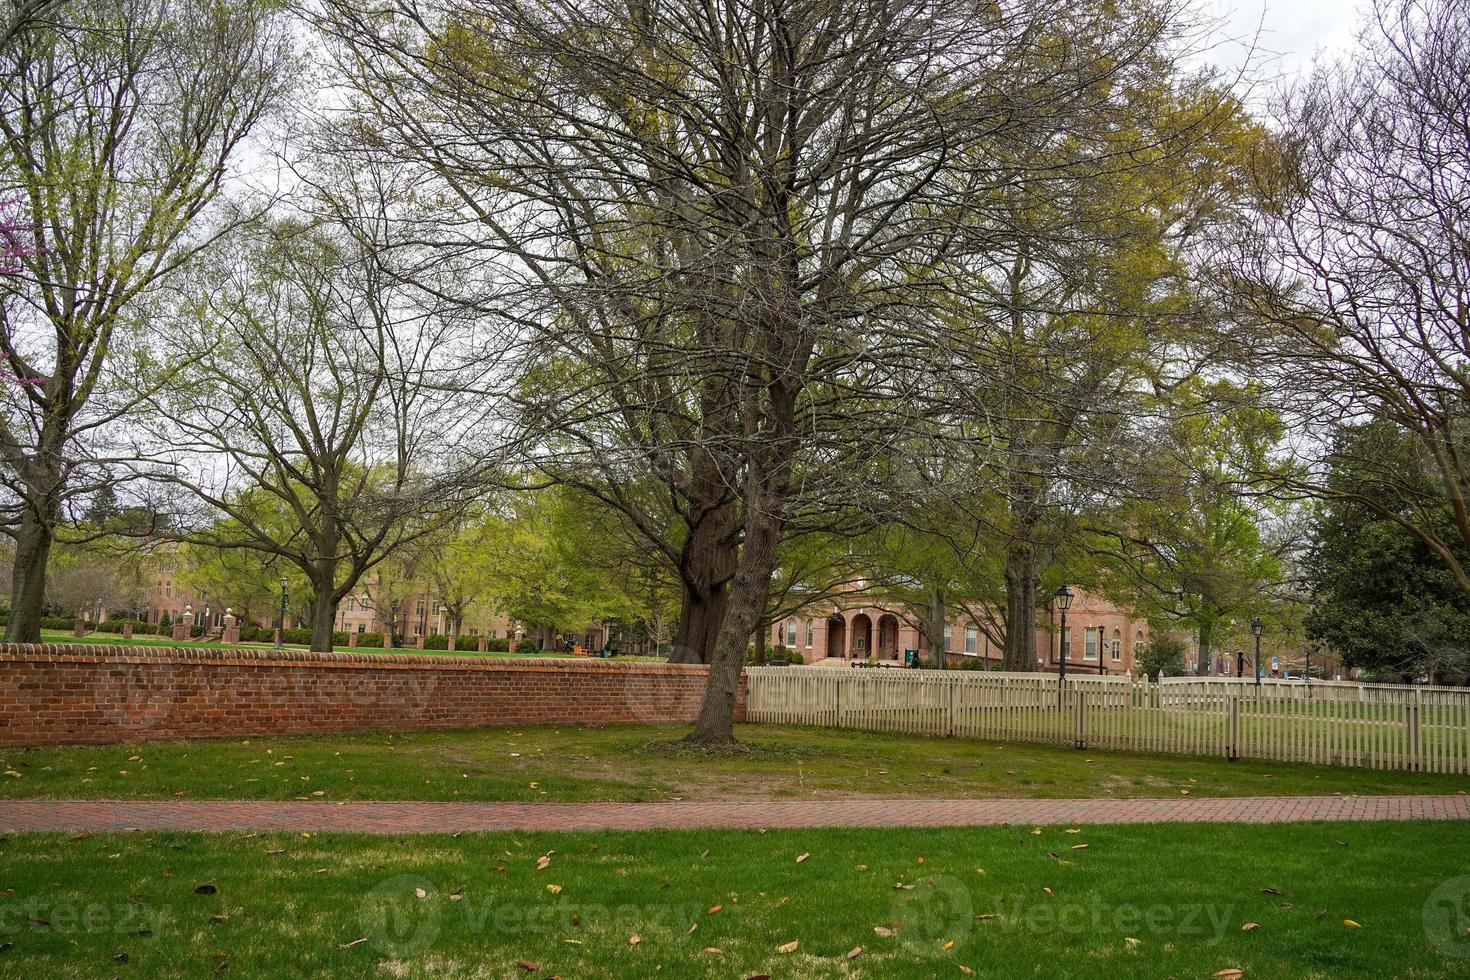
(569,763)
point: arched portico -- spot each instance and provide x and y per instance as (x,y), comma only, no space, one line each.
(861,632)
(836,636)
(888,636)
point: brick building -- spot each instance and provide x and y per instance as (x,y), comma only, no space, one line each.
(1104,638)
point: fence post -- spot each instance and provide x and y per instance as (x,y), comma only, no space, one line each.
(1232,751)
(1416,758)
(837,701)
(953,691)
(1080,732)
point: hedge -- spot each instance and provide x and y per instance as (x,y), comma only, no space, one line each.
(369,640)
(436,641)
(467,642)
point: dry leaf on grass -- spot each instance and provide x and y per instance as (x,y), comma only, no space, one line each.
(788,947)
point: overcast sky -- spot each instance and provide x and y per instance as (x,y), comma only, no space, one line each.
(1293,30)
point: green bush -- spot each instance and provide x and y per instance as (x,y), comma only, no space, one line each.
(1162,655)
(296,634)
(436,641)
(969,663)
(340,638)
(57,623)
(467,642)
(369,640)
(497,644)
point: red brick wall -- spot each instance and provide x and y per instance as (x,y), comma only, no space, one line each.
(54,694)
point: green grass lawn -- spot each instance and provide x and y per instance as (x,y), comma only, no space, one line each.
(643,763)
(1139,901)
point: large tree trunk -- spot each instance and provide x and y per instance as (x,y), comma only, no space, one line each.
(709,558)
(1022,582)
(323,615)
(934,628)
(747,600)
(28,575)
(767,484)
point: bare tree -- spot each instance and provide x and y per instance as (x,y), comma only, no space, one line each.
(127,114)
(320,414)
(1354,285)
(734,213)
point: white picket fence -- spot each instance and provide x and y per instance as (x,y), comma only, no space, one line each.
(1371,726)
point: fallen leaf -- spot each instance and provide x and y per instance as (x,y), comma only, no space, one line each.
(713,951)
(1036,832)
(1229,973)
(634,939)
(355,942)
(1273,891)
(713,909)
(554,889)
(855,952)
(966,970)
(883,931)
(1132,943)
(1351,924)
(788,947)
(543,862)
(1079,847)
(948,945)
(1074,830)
(1047,890)
(1249,926)
(802,857)
(420,893)
(205,889)
(527,965)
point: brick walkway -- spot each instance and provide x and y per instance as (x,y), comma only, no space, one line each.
(411,818)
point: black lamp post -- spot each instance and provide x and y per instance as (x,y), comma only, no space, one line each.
(1101,667)
(281,620)
(1239,664)
(1064,602)
(1258,627)
(393,621)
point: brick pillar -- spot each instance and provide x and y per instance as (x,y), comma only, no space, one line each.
(388,638)
(184,628)
(276,635)
(127,632)
(351,638)
(512,644)
(420,642)
(480,643)
(79,627)
(231,633)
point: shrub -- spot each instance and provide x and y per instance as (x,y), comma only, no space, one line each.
(370,640)
(296,634)
(1162,655)
(497,644)
(57,623)
(340,638)
(436,641)
(969,663)
(467,642)
(164,623)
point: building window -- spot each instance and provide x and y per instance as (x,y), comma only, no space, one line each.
(1117,646)
(168,590)
(1066,643)
(809,634)
(971,640)
(791,632)
(947,632)
(1089,643)
(360,627)
(1137,642)
(351,604)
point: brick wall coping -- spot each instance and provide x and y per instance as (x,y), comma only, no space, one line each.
(233,656)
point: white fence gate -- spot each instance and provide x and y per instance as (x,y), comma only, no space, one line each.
(1419,729)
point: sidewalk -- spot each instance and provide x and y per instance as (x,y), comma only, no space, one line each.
(415,818)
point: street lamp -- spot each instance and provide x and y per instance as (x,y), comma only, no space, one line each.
(281,621)
(1064,602)
(1101,669)
(1258,627)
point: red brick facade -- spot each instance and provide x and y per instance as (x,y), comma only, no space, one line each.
(55,694)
